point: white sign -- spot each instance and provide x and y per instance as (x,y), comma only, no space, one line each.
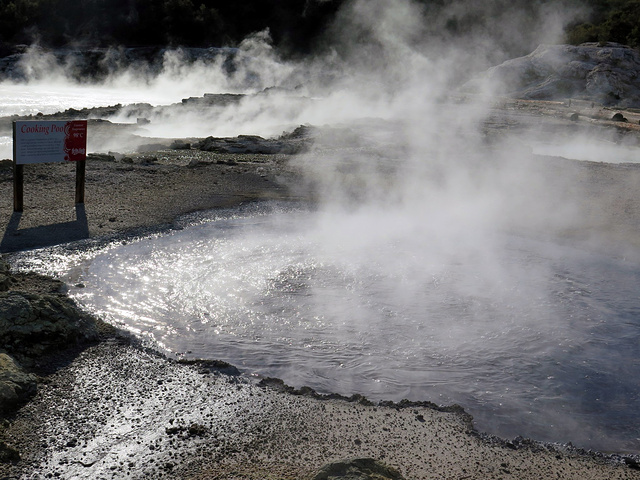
(50,141)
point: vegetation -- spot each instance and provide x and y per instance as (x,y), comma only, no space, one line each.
(294,25)
(611,21)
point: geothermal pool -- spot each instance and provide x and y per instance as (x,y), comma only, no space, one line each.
(531,338)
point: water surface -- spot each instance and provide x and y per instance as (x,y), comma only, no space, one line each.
(532,338)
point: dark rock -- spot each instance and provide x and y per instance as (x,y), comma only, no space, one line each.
(241,144)
(197,430)
(5,282)
(358,469)
(180,145)
(632,463)
(32,324)
(214,99)
(303,131)
(275,384)
(193,430)
(8,454)
(288,143)
(16,385)
(618,117)
(208,366)
(173,430)
(103,157)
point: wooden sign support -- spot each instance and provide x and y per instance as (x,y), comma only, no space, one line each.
(48,141)
(18,178)
(80,175)
(18,187)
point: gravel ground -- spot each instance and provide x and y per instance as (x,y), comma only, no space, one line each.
(145,191)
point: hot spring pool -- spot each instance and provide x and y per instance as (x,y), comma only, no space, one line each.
(532,338)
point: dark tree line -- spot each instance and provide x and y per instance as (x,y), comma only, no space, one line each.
(295,25)
(611,21)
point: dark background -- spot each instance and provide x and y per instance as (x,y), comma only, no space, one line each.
(296,27)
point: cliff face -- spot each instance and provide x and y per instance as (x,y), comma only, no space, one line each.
(608,74)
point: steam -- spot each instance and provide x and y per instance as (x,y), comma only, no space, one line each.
(162,77)
(381,59)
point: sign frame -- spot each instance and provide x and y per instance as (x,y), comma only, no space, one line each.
(47,142)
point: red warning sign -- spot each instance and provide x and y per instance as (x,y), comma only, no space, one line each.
(50,141)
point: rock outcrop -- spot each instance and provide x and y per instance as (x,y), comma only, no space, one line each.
(608,74)
(358,469)
(32,326)
(16,385)
(289,143)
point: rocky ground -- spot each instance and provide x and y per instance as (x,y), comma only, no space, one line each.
(604,73)
(104,407)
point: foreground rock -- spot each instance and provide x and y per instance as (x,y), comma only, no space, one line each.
(358,469)
(608,74)
(33,326)
(16,385)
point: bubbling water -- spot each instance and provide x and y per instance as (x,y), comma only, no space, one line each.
(536,339)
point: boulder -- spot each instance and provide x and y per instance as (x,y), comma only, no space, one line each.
(604,73)
(358,469)
(32,324)
(296,142)
(16,385)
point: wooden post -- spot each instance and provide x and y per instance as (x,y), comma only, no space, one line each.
(18,187)
(80,175)
(18,178)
